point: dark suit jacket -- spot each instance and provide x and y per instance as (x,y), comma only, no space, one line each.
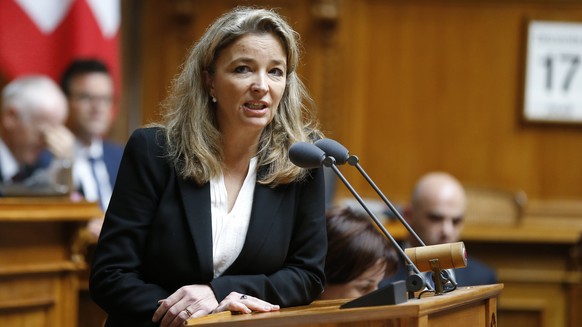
(475,273)
(112,154)
(157,237)
(32,180)
(43,162)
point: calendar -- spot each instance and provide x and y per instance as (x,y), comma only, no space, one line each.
(553,76)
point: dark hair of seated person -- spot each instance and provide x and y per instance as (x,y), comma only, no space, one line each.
(355,245)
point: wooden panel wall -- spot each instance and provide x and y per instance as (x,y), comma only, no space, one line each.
(437,85)
(408,86)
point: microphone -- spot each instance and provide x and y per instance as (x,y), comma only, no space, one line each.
(334,149)
(448,255)
(337,150)
(438,258)
(307,155)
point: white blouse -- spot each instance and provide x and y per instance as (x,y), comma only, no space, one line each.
(229,229)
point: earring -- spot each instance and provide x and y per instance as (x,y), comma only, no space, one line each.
(214,99)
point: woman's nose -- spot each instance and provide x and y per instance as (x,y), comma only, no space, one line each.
(260,84)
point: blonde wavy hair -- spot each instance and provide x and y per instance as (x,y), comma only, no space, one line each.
(189,119)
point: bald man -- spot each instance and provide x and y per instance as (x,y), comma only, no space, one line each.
(32,132)
(436,213)
(437,209)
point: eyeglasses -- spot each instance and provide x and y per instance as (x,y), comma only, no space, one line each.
(92,98)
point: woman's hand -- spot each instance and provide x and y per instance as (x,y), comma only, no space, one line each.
(187,302)
(237,302)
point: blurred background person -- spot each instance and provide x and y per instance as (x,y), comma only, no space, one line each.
(90,91)
(358,257)
(35,146)
(437,213)
(89,88)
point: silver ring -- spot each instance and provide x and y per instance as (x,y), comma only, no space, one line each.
(243,297)
(188,312)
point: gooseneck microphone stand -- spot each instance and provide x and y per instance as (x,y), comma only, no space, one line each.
(329,161)
(337,150)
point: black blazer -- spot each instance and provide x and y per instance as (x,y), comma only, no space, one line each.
(157,238)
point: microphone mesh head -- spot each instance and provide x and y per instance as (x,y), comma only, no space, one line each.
(306,155)
(334,149)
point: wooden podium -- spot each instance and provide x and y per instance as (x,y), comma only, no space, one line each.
(41,253)
(466,306)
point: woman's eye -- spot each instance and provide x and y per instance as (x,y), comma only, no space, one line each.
(367,288)
(242,69)
(362,288)
(277,72)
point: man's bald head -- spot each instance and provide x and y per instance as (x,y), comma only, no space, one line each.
(437,208)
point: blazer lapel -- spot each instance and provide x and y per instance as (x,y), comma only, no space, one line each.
(196,200)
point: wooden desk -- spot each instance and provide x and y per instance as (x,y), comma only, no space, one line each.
(537,265)
(40,257)
(466,306)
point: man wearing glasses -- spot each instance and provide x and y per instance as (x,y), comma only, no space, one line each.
(89,88)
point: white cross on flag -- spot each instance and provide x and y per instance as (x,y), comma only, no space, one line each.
(44,36)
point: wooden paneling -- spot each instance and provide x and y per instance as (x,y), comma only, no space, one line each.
(537,273)
(408,86)
(436,85)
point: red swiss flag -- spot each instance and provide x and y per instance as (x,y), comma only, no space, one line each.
(43,36)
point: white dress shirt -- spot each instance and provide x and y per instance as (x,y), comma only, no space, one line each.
(8,163)
(229,229)
(96,190)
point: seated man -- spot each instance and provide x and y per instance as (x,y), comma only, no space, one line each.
(359,256)
(35,147)
(90,92)
(436,214)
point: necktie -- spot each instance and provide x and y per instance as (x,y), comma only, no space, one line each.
(93,164)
